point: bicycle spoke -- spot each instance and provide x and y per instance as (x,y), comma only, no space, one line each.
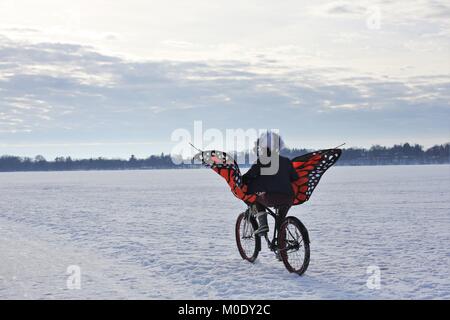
(293,248)
(247,239)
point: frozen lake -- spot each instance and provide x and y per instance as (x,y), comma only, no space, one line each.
(170,234)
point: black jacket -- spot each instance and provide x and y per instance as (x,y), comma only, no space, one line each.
(277,183)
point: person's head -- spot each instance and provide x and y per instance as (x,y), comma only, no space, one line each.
(269,143)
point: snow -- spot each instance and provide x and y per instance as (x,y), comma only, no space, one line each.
(169,234)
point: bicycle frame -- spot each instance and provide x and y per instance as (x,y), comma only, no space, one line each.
(273,244)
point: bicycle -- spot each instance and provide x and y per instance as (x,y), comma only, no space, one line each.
(290,240)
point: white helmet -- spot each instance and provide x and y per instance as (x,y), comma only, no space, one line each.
(271,141)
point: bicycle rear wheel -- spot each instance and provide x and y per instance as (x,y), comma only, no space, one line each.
(293,240)
(248,244)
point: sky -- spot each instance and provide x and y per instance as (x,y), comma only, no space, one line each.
(115,78)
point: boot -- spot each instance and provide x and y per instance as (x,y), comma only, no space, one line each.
(262,222)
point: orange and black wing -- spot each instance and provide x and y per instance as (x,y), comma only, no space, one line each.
(228,169)
(310,168)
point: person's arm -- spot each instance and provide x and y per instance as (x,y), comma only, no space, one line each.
(251,174)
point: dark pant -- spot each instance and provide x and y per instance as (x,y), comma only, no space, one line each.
(278,200)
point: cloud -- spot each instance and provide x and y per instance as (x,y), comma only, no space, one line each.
(178,44)
(393,13)
(68,92)
(348,9)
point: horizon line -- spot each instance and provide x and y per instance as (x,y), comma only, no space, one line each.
(170,154)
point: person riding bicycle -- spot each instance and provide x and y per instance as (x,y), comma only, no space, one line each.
(270,179)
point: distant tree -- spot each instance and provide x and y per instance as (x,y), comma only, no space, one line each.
(39,158)
(405,153)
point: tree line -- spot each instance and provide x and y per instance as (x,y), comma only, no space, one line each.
(377,155)
(380,155)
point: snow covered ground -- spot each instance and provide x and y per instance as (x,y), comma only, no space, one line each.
(170,234)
